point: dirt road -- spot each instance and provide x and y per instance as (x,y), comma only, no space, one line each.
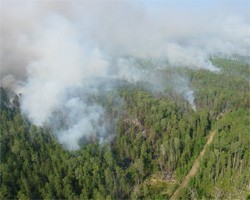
(194,168)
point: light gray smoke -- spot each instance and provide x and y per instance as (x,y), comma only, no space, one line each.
(50,50)
(182,87)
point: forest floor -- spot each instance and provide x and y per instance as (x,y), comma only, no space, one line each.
(194,168)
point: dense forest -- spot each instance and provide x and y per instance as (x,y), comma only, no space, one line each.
(158,136)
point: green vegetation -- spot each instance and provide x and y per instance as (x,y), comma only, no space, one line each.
(158,137)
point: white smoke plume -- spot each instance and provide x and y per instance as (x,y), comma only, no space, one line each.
(181,85)
(57,53)
(63,64)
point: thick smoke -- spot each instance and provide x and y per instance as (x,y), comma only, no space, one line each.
(63,64)
(57,54)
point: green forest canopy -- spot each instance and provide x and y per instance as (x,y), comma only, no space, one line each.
(158,137)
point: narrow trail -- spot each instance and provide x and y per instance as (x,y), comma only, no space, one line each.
(194,168)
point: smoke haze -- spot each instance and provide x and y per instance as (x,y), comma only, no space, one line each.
(54,53)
